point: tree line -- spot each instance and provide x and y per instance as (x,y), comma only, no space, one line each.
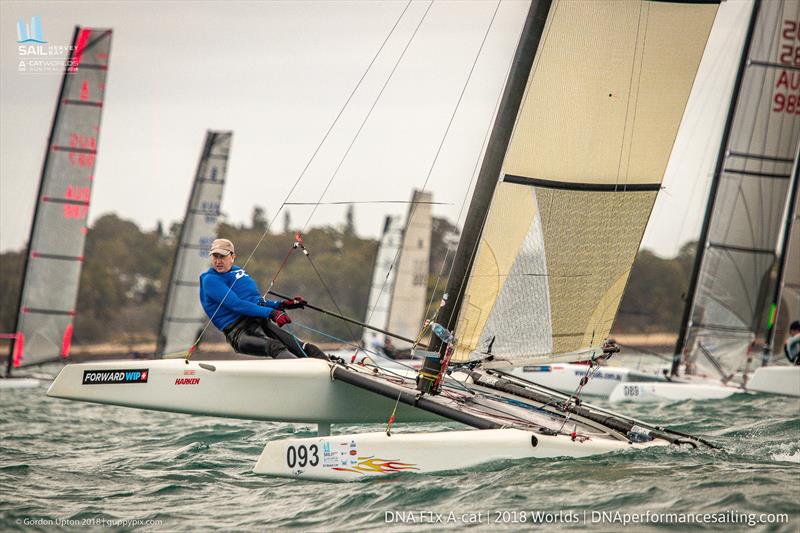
(126,271)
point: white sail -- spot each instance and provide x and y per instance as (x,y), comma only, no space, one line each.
(383,275)
(407,306)
(55,251)
(591,140)
(737,256)
(183,316)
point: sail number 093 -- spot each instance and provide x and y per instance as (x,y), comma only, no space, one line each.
(302,456)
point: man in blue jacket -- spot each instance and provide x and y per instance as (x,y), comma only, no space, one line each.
(252,325)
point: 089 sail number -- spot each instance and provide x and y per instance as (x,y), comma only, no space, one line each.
(302,456)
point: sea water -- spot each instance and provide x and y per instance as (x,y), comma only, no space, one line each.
(72,465)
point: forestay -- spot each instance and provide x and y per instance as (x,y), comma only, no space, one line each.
(593,134)
(183,317)
(55,251)
(747,207)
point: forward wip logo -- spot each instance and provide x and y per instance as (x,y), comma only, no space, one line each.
(30,33)
(114,377)
(240,274)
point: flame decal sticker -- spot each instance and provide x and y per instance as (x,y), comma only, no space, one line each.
(374,465)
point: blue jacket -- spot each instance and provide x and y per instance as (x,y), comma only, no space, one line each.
(228,297)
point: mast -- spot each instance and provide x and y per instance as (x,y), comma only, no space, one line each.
(718,170)
(492,163)
(787,228)
(64,184)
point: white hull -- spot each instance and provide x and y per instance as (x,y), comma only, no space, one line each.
(565,377)
(367,455)
(645,392)
(289,390)
(784,380)
(19,383)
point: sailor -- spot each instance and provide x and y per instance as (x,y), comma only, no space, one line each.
(791,347)
(251,324)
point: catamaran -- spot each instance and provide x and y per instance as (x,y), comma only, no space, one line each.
(732,288)
(54,258)
(183,317)
(575,158)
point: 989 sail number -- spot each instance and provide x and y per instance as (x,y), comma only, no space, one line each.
(302,456)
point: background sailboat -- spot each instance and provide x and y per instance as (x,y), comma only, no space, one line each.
(400,277)
(46,309)
(183,317)
(725,321)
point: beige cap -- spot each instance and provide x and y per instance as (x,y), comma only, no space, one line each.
(222,247)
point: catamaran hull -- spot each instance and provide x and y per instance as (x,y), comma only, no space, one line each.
(648,392)
(298,390)
(566,377)
(368,455)
(784,380)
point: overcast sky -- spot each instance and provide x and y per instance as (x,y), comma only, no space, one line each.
(277,74)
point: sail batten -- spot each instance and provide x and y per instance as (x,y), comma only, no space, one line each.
(594,129)
(183,317)
(54,257)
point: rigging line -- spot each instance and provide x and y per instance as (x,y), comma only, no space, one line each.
(369,113)
(473,177)
(447,129)
(368,202)
(330,128)
(302,173)
(475,172)
(353,141)
(330,294)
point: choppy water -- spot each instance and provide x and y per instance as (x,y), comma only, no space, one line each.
(68,465)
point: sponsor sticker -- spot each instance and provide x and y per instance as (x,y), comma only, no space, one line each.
(114,377)
(187,381)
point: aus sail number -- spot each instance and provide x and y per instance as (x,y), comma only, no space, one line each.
(302,456)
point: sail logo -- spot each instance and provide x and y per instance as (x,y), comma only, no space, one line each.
(114,377)
(35,55)
(30,33)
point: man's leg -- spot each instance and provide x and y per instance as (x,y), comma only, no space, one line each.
(250,339)
(292,343)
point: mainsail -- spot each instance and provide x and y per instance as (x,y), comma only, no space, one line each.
(594,119)
(183,317)
(380,291)
(53,263)
(733,280)
(407,309)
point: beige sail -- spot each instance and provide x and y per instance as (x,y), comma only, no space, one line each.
(407,311)
(594,132)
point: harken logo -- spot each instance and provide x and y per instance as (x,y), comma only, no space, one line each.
(30,33)
(113,377)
